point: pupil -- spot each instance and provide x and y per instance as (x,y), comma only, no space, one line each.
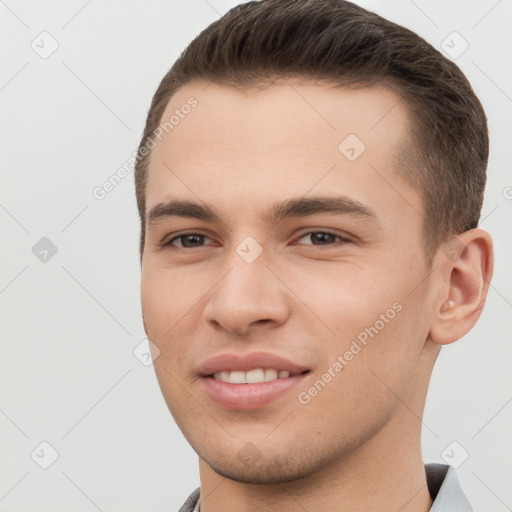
(196,239)
(321,237)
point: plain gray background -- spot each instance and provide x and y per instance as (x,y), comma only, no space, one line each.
(71,320)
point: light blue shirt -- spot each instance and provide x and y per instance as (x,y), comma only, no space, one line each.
(442,482)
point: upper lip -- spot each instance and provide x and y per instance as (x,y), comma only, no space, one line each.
(236,362)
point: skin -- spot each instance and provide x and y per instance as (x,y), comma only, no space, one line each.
(306,297)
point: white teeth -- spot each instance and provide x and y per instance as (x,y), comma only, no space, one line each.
(224,376)
(270,374)
(252,376)
(237,378)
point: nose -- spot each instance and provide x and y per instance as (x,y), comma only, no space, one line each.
(249,294)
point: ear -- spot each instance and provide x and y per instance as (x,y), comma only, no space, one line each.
(466,266)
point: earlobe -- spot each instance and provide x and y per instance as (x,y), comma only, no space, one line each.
(466,265)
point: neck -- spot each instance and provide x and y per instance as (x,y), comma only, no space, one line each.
(386,473)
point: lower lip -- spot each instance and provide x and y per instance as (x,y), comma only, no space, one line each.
(248,396)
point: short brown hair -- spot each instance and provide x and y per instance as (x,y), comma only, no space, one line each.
(338,42)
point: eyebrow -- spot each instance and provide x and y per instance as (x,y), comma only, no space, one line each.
(290,208)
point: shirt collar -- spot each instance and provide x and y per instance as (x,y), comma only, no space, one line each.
(445,490)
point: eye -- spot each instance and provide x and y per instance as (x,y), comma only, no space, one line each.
(319,238)
(188,241)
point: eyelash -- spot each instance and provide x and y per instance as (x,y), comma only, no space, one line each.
(324,232)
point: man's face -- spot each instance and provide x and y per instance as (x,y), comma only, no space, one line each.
(324,284)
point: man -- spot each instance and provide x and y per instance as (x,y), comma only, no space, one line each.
(309,182)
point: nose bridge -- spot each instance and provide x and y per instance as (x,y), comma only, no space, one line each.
(249,292)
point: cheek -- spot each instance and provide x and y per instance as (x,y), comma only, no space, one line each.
(167,297)
(363,383)
(348,298)
(377,331)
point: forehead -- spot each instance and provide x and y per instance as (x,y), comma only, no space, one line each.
(322,112)
(242,145)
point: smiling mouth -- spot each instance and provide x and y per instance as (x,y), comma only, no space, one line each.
(254,394)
